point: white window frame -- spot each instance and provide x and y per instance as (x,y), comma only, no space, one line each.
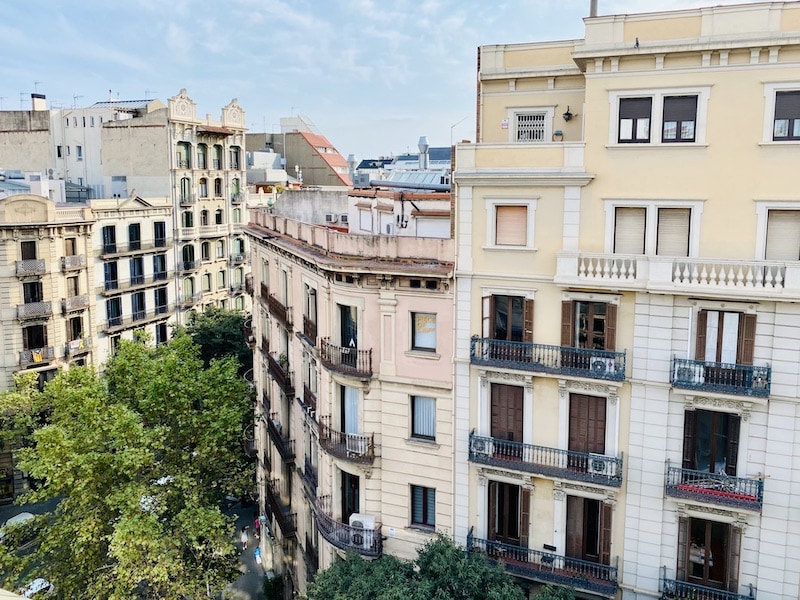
(549,114)
(762,216)
(657,116)
(651,221)
(491,221)
(770,91)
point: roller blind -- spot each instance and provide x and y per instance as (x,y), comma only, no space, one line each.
(511,226)
(783,235)
(629,230)
(673,231)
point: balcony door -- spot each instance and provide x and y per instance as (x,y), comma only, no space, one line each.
(708,553)
(348,320)
(588,530)
(587,424)
(727,338)
(509,513)
(350,496)
(507,418)
(710,441)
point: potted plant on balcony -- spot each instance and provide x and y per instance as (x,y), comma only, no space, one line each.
(283,360)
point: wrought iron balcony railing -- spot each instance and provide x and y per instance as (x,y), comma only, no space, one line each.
(279,369)
(138,318)
(347,361)
(73,263)
(347,446)
(278,310)
(187,266)
(310,330)
(672,589)
(547,567)
(190,300)
(726,378)
(36,355)
(34,310)
(284,445)
(367,542)
(543,358)
(311,555)
(286,519)
(77,347)
(237,259)
(549,462)
(309,478)
(31,266)
(74,303)
(715,488)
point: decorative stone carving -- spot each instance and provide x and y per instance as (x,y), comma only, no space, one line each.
(728,404)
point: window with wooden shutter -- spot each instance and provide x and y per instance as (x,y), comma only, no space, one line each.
(527,322)
(746,341)
(524,517)
(673,231)
(683,549)
(611,327)
(689,425)
(783,235)
(574,536)
(511,225)
(605,534)
(711,441)
(629,229)
(734,557)
(567,320)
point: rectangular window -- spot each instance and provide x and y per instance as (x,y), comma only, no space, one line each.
(34,337)
(531,127)
(423,506)
(74,329)
(588,325)
(423,334)
(509,513)
(711,441)
(680,117)
(207,282)
(110,275)
(673,231)
(137,270)
(73,287)
(91,121)
(160,234)
(634,120)
(134,236)
(160,300)
(109,239)
(159,267)
(32,291)
(365,220)
(79,152)
(423,417)
(725,337)
(60,151)
(588,535)
(629,230)
(783,235)
(70,247)
(511,225)
(114,312)
(161,334)
(787,116)
(138,306)
(27,250)
(709,553)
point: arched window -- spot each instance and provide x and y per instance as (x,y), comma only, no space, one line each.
(221,280)
(218,217)
(187,218)
(220,249)
(205,251)
(188,288)
(203,187)
(237,215)
(188,253)
(218,187)
(207,282)
(203,218)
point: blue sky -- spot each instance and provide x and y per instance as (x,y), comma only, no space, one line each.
(373,76)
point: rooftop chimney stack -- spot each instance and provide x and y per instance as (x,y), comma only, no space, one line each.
(423,152)
(593,8)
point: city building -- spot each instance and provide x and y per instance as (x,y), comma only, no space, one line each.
(627,243)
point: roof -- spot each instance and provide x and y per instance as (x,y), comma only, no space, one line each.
(126,104)
(214,129)
(333,159)
(374,163)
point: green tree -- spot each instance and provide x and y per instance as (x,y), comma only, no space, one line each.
(219,333)
(442,571)
(140,459)
(22,410)
(555,592)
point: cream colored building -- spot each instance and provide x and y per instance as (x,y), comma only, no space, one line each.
(628,237)
(353,371)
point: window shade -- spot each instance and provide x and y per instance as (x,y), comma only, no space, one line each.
(673,231)
(787,105)
(424,417)
(511,226)
(783,235)
(629,226)
(680,108)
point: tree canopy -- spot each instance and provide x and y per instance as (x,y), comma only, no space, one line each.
(139,459)
(441,571)
(219,333)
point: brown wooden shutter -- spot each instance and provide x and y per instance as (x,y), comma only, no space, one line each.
(747,338)
(611,327)
(488,316)
(574,527)
(605,534)
(689,426)
(732,451)
(524,517)
(683,548)
(734,556)
(700,345)
(567,325)
(492,510)
(596,441)
(527,322)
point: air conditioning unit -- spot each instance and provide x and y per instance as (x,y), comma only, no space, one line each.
(343,218)
(330,218)
(602,365)
(600,464)
(481,446)
(694,374)
(362,531)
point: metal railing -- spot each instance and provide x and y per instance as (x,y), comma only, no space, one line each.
(74,303)
(237,259)
(727,378)
(672,589)
(79,346)
(367,542)
(286,520)
(279,369)
(309,477)
(348,361)
(542,460)
(190,300)
(31,266)
(310,330)
(544,358)
(548,567)
(73,263)
(284,445)
(279,310)
(139,318)
(714,488)
(348,446)
(36,355)
(186,266)
(33,310)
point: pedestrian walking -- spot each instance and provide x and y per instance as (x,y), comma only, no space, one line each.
(244,538)
(257,526)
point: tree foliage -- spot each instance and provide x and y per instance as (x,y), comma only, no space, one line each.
(219,333)
(442,571)
(140,459)
(22,410)
(555,592)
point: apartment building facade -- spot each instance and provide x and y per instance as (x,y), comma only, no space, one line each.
(353,374)
(626,318)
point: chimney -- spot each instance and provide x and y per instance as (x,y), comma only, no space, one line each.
(593,8)
(38,102)
(423,152)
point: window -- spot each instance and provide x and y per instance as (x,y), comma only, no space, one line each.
(74,329)
(32,292)
(508,318)
(708,553)
(160,234)
(587,324)
(207,282)
(109,239)
(510,224)
(423,417)
(218,217)
(787,116)
(234,156)
(711,441)
(783,235)
(653,229)
(137,270)
(588,530)
(237,215)
(725,337)
(60,151)
(27,250)
(73,286)
(680,114)
(203,187)
(91,121)
(114,312)
(220,249)
(221,280)
(161,334)
(205,251)
(110,275)
(203,218)
(423,506)
(138,306)
(531,127)
(673,231)
(634,120)
(202,151)
(70,247)
(34,337)
(217,184)
(506,420)
(160,300)
(509,513)
(423,333)
(187,218)
(365,219)
(79,152)
(629,228)
(159,267)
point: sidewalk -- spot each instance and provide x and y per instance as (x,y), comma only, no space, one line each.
(250,584)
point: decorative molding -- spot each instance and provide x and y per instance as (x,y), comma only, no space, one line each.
(525,481)
(559,495)
(742,407)
(737,519)
(487,375)
(607,496)
(565,386)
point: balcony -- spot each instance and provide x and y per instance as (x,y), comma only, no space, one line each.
(286,521)
(711,277)
(31,266)
(309,401)
(187,266)
(683,590)
(725,378)
(587,467)
(547,567)
(187,233)
(118,286)
(278,310)
(73,263)
(309,477)
(112,249)
(187,199)
(36,356)
(279,369)
(138,318)
(714,488)
(34,310)
(347,361)
(284,445)
(190,301)
(309,330)
(347,446)
(552,360)
(237,259)
(213,230)
(78,347)
(367,542)
(74,303)
(237,198)
(264,292)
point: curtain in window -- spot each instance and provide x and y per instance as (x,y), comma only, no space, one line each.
(629,226)
(423,505)
(424,417)
(350,416)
